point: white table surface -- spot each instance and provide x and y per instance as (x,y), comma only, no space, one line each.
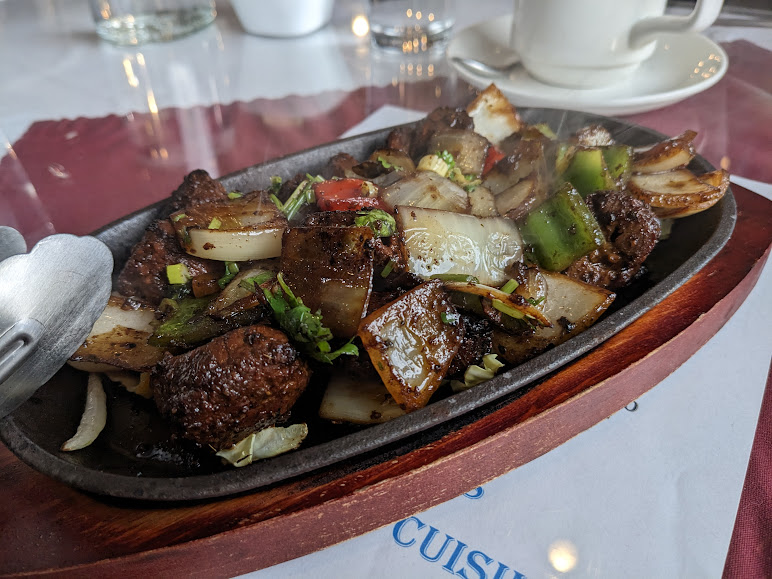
(650,493)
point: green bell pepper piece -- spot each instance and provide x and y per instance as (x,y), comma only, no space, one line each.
(587,172)
(561,230)
(619,162)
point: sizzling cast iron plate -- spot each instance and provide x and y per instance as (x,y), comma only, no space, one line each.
(131,459)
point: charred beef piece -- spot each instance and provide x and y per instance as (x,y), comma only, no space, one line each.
(631,230)
(238,383)
(414,141)
(385,249)
(340,165)
(197,188)
(477,341)
(144,275)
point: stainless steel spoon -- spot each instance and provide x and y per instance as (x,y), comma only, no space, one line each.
(496,69)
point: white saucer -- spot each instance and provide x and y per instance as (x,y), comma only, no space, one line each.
(682,65)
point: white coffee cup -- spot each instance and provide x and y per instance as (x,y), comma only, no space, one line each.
(595,43)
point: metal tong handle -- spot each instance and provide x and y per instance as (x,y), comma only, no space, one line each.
(17,343)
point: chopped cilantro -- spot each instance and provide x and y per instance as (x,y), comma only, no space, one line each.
(303,326)
(382,223)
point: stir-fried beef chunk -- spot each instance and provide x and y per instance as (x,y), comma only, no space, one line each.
(414,141)
(385,249)
(144,275)
(230,387)
(477,341)
(631,230)
(341,165)
(197,188)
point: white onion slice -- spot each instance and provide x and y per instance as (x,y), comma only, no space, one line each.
(427,189)
(118,312)
(135,383)
(237,244)
(266,443)
(118,339)
(570,305)
(94,416)
(442,242)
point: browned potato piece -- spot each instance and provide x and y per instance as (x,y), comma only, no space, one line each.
(570,305)
(330,269)
(667,155)
(410,344)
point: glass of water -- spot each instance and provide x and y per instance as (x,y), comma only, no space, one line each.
(411,26)
(132,22)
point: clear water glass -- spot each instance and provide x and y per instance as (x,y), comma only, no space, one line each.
(133,22)
(411,26)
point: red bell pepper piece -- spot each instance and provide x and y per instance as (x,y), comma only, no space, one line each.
(344,195)
(493,156)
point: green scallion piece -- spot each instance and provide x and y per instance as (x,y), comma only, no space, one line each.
(508,310)
(231,269)
(178,273)
(275,184)
(510,286)
(235,195)
(215,223)
(388,269)
(450,319)
(385,163)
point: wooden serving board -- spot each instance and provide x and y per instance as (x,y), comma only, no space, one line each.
(49,529)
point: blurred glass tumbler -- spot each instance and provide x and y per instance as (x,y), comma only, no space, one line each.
(411,25)
(131,22)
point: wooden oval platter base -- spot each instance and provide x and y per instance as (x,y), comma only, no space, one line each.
(49,529)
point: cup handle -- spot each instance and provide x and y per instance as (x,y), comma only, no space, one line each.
(704,14)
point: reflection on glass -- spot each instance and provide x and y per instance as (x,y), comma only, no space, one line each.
(563,556)
(20,206)
(192,135)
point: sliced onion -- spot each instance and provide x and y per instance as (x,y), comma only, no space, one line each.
(514,301)
(665,156)
(679,193)
(358,401)
(571,307)
(135,383)
(236,245)
(426,189)
(467,147)
(231,296)
(118,339)
(442,242)
(266,443)
(527,158)
(244,229)
(94,417)
(482,203)
(411,345)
